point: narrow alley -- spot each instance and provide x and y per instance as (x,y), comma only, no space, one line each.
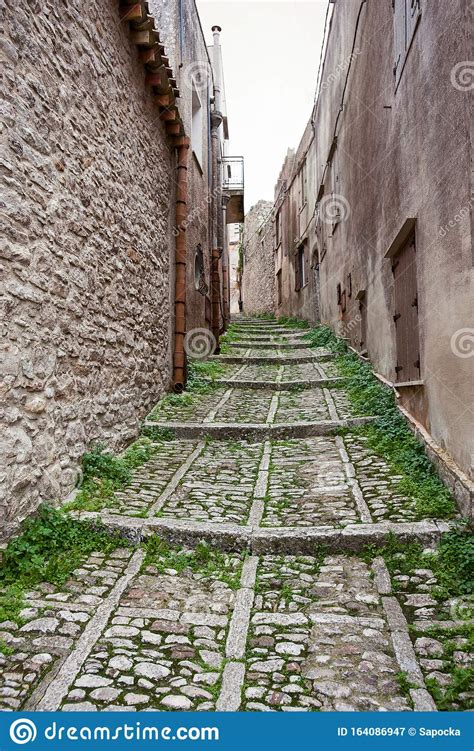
(279,586)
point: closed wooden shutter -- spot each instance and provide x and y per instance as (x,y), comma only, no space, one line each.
(408,367)
(412,16)
(296,261)
(399,21)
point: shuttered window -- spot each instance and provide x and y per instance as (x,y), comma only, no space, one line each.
(406,14)
(408,367)
(301,269)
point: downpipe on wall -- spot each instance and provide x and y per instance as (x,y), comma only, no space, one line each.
(179,354)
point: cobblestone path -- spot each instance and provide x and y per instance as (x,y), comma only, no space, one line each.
(280,609)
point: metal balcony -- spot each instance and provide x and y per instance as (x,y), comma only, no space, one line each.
(233,187)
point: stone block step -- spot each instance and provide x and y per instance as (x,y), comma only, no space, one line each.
(255,431)
(314,383)
(272,360)
(264,540)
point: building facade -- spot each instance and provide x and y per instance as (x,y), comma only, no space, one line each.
(258,273)
(373,212)
(112,213)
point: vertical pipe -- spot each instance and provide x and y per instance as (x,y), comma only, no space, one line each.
(179,356)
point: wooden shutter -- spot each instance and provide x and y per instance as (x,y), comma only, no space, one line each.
(412,16)
(296,259)
(399,21)
(408,366)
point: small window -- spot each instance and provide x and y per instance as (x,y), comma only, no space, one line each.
(301,275)
(406,15)
(339,294)
(279,288)
(199,275)
(196,126)
(278,229)
(349,285)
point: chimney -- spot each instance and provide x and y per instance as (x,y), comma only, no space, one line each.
(216,31)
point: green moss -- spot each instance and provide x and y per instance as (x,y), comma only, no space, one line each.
(204,560)
(49,548)
(103,474)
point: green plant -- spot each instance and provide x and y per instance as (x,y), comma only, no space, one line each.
(158,434)
(5,649)
(405,685)
(204,560)
(103,474)
(447,697)
(201,375)
(389,436)
(49,548)
(293,322)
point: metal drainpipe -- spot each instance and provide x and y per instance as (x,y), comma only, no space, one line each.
(179,355)
(216,119)
(217,211)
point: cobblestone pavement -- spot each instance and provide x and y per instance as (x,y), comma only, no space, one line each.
(252,629)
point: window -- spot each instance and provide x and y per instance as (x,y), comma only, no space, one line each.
(349,285)
(362,297)
(339,294)
(279,288)
(300,268)
(406,14)
(277,229)
(302,185)
(408,367)
(196,126)
(199,275)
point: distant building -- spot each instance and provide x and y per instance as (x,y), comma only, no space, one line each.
(258,272)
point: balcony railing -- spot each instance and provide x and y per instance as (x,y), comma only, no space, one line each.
(233,173)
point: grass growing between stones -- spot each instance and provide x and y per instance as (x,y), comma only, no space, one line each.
(203,560)
(103,474)
(389,436)
(293,323)
(452,562)
(49,548)
(201,375)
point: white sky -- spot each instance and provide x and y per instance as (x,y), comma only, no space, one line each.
(271,52)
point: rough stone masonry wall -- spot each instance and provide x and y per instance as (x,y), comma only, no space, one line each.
(258,279)
(86,249)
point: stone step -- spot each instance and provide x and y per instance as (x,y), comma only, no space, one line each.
(275,360)
(254,431)
(314,383)
(264,540)
(267,344)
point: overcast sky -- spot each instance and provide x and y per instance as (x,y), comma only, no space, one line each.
(271,53)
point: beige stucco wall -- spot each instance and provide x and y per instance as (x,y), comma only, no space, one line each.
(400,153)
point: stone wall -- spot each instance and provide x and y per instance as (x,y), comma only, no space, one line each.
(87,249)
(258,278)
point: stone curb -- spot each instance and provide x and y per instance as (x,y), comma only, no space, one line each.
(256,360)
(256,432)
(314,383)
(402,644)
(268,345)
(265,540)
